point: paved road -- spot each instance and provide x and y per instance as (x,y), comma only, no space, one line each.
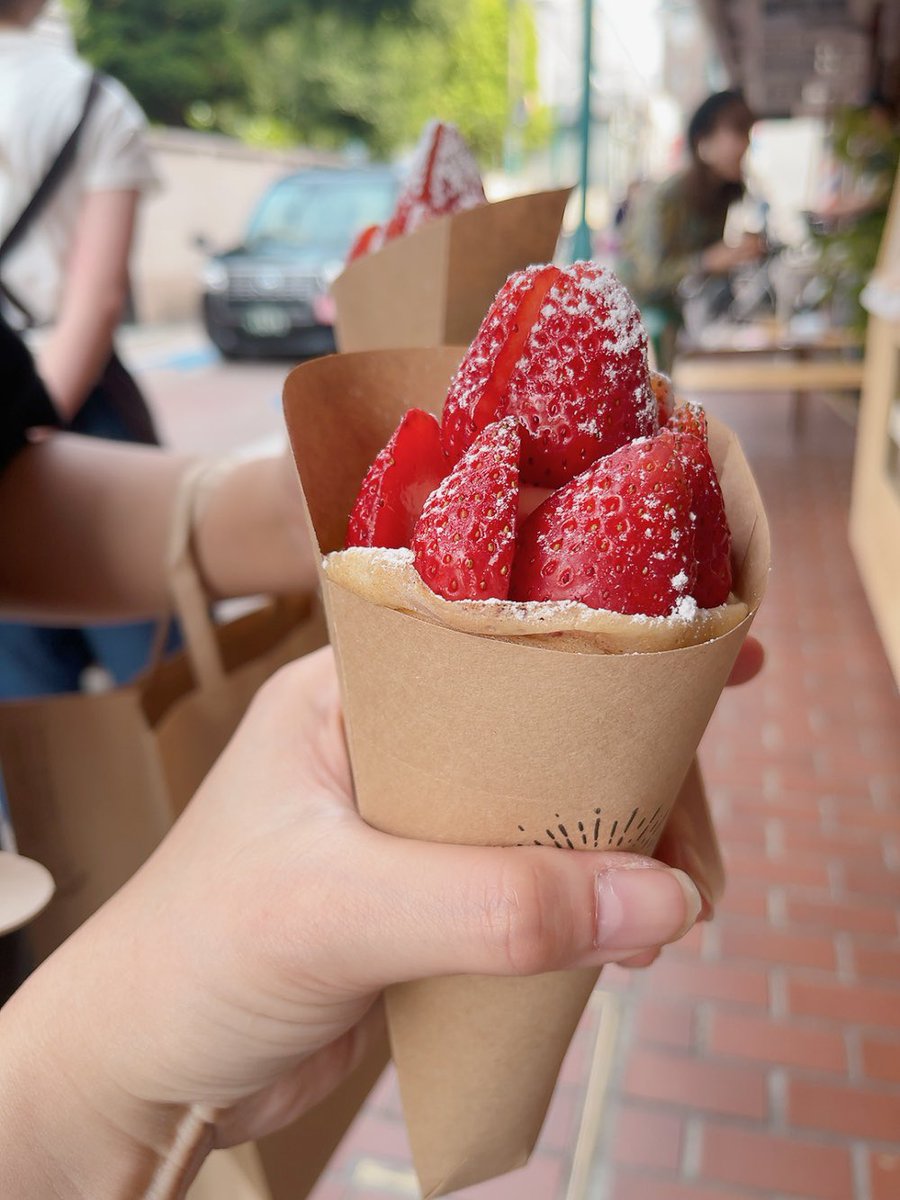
(203,404)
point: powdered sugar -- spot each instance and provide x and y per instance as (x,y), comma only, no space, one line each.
(686,609)
(533,613)
(400,558)
(444,178)
(601,294)
(579,385)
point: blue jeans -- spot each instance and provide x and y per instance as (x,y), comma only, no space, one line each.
(37,661)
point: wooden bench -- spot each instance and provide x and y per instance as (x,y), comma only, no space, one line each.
(777,363)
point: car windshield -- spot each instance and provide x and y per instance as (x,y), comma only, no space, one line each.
(321,211)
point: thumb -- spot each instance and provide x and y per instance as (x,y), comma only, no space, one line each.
(446,910)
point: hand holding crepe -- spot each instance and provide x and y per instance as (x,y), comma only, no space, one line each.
(250,956)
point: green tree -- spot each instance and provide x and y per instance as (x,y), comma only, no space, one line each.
(474,91)
(323,73)
(169,53)
(330,79)
(867,146)
(174,55)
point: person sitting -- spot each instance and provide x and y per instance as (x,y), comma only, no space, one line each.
(674,229)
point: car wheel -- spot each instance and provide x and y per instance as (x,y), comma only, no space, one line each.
(226,341)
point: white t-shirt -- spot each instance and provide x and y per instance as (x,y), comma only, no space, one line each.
(42,92)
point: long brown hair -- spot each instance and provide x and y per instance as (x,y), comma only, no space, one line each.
(708,192)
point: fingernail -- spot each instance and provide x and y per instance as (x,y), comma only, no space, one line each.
(644,906)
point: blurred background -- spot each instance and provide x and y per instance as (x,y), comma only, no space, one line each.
(761,1057)
(240,95)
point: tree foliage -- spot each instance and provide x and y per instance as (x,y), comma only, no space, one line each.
(867,147)
(326,74)
(169,53)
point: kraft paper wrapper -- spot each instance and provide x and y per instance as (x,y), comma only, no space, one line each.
(433,287)
(470,739)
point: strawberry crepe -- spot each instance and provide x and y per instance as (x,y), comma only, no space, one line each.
(444,179)
(549,503)
(426,276)
(468,722)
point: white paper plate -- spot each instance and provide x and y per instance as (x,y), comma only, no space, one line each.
(25,889)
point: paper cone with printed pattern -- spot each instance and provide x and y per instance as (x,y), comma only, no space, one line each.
(455,737)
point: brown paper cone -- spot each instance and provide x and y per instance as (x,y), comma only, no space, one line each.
(467,739)
(433,287)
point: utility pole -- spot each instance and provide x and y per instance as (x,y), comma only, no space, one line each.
(512,141)
(581,247)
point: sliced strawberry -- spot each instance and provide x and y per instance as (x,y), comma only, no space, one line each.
(582,388)
(479,391)
(398,483)
(367,242)
(576,377)
(618,537)
(712,537)
(661,386)
(466,536)
(689,418)
(444,178)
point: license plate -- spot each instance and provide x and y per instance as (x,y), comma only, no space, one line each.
(266,320)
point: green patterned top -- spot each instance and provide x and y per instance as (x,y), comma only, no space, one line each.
(663,238)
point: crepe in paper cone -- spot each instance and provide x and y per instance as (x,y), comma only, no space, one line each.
(467,738)
(433,287)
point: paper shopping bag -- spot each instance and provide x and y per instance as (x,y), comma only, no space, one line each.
(95,781)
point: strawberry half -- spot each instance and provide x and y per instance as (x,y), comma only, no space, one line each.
(479,391)
(565,352)
(618,537)
(689,418)
(661,386)
(398,483)
(712,537)
(466,536)
(444,179)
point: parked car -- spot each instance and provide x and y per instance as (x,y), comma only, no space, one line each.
(269,295)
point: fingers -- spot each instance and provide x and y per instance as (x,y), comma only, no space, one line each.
(442,910)
(303,1087)
(749,662)
(646,958)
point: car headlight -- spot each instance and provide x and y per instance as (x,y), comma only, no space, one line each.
(214,276)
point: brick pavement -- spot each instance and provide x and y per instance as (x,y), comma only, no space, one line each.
(760,1059)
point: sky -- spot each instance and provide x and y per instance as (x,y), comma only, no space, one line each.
(631,37)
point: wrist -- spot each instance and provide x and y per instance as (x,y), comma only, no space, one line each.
(67,1128)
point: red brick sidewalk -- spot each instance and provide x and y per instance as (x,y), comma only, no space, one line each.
(760,1059)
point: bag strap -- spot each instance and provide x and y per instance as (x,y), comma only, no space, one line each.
(191,602)
(48,185)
